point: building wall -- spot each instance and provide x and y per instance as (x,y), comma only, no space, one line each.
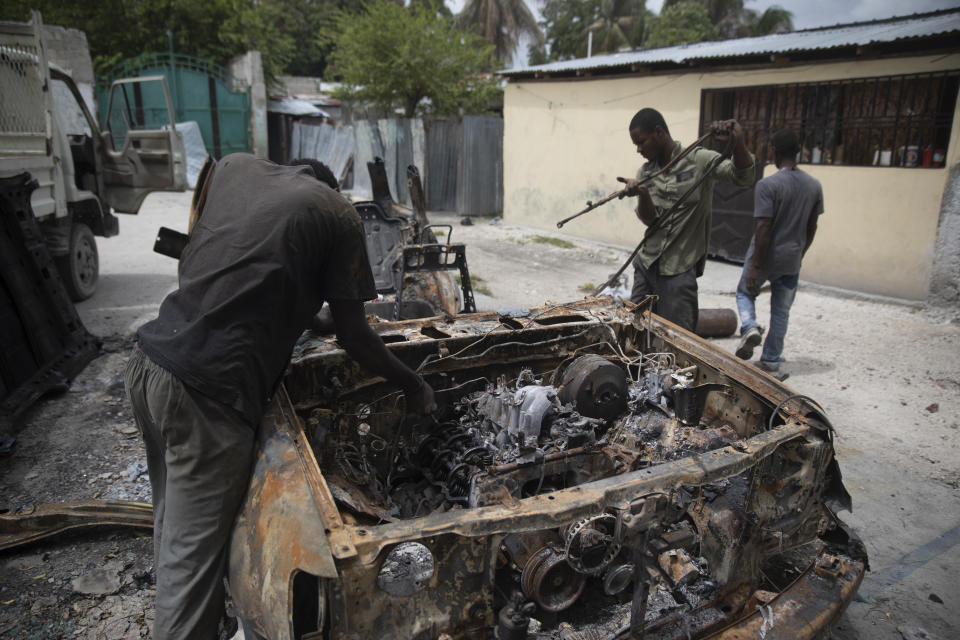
(566,142)
(68,49)
(249,67)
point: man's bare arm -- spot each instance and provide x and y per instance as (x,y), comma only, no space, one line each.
(811,231)
(761,245)
(365,346)
(645,209)
(722,130)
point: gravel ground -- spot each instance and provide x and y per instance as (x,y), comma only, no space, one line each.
(887,373)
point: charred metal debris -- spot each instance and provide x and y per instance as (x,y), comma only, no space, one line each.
(592,472)
(43,342)
(411,268)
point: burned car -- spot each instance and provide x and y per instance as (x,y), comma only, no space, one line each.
(592,471)
(412,270)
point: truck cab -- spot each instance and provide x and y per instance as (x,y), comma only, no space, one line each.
(85,173)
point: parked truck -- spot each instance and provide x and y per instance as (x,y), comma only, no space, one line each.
(85,173)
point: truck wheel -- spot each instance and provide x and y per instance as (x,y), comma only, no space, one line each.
(80,268)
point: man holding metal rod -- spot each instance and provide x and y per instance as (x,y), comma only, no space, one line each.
(675,196)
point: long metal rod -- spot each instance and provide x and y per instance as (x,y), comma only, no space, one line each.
(622,192)
(668,214)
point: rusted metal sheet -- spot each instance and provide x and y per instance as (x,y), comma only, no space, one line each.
(564,467)
(807,608)
(42,338)
(716,323)
(42,521)
(279,531)
(544,511)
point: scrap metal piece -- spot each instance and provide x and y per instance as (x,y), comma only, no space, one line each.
(591,544)
(406,570)
(678,566)
(811,604)
(734,490)
(689,402)
(30,524)
(418,199)
(617,578)
(550,581)
(716,323)
(43,339)
(596,387)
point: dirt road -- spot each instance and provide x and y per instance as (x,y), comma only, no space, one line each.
(887,374)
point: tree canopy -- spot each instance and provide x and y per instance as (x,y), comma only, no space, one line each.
(282,30)
(615,25)
(501,23)
(627,24)
(396,57)
(681,22)
(733,19)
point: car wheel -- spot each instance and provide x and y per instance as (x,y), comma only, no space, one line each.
(80,268)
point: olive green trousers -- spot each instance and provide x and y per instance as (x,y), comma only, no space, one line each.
(199,456)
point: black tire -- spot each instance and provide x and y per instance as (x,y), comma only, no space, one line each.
(80,268)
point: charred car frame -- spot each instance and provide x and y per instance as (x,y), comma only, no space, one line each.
(591,467)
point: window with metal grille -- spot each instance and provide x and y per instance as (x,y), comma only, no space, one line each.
(901,121)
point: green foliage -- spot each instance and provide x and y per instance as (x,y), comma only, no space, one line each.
(683,22)
(282,30)
(395,57)
(775,19)
(627,24)
(618,25)
(615,24)
(500,23)
(537,54)
(438,7)
(733,20)
(565,24)
(557,242)
(261,27)
(479,284)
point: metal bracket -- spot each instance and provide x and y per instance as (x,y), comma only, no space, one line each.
(436,257)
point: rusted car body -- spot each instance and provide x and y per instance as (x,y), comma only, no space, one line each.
(591,466)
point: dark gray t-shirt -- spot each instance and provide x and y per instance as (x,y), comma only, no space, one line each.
(272,244)
(789,197)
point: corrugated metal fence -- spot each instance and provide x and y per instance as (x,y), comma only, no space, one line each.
(460,160)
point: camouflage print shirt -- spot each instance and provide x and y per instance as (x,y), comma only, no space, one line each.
(681,243)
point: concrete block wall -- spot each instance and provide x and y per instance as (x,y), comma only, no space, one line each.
(69,50)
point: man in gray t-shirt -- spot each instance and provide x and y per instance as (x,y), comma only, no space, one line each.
(786,207)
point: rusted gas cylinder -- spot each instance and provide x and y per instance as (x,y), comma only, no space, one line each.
(716,323)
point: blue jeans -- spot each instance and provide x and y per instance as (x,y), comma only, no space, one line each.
(783,292)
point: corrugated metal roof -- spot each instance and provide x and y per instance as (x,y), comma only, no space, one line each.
(294,107)
(856,34)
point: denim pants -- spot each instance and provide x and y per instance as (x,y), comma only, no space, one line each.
(783,292)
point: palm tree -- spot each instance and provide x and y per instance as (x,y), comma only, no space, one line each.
(501,23)
(619,24)
(775,19)
(733,20)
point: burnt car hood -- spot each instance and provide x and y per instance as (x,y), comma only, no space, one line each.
(739,481)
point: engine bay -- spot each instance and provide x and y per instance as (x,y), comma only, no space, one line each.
(702,521)
(523,436)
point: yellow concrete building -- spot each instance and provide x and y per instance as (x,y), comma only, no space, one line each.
(875,104)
